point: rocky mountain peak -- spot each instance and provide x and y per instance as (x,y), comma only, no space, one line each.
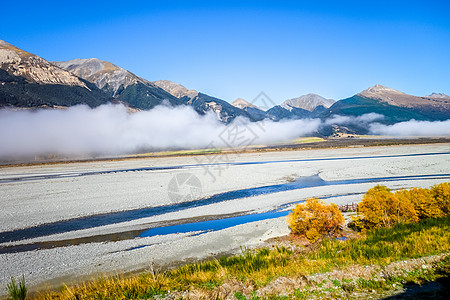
(103,74)
(308,102)
(241,103)
(87,67)
(438,96)
(33,68)
(176,89)
(397,98)
(379,89)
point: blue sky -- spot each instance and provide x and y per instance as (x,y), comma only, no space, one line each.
(232,49)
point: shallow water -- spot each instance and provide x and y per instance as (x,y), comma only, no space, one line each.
(148,169)
(129,215)
(204,226)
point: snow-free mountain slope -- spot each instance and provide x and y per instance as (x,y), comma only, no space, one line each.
(394,105)
(397,98)
(203,103)
(438,96)
(241,103)
(33,68)
(175,89)
(104,74)
(255,113)
(118,82)
(308,102)
(28,80)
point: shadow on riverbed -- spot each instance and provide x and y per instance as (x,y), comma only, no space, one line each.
(439,289)
(130,215)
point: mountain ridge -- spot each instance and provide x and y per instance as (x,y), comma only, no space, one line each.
(241,103)
(33,68)
(397,98)
(27,80)
(203,103)
(118,82)
(307,102)
(438,96)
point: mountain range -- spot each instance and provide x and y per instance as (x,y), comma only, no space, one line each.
(27,80)
(118,83)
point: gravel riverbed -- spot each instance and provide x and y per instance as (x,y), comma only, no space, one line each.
(32,197)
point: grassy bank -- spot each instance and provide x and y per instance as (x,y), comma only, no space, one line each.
(259,267)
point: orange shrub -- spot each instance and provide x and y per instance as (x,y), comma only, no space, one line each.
(315,218)
(381,208)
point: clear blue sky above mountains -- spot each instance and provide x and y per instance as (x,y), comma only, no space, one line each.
(232,49)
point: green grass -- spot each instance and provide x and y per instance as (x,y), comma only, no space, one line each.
(17,291)
(383,246)
(377,286)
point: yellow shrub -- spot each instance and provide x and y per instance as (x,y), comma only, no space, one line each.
(441,193)
(315,218)
(381,208)
(424,203)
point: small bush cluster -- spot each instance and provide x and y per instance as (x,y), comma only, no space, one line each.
(314,218)
(380,246)
(380,207)
(17,291)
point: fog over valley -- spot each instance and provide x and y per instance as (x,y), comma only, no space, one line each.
(111,129)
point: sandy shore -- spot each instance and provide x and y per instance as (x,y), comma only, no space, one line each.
(67,191)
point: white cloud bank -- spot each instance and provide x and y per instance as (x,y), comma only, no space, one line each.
(363,119)
(412,128)
(110,129)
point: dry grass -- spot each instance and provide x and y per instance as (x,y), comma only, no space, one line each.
(385,245)
(305,140)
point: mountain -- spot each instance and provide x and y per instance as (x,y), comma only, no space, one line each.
(119,83)
(203,103)
(27,80)
(242,104)
(278,113)
(176,89)
(394,105)
(396,98)
(438,96)
(254,111)
(306,106)
(308,102)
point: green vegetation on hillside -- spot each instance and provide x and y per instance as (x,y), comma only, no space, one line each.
(357,106)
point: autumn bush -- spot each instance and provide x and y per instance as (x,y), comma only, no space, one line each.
(314,218)
(424,203)
(380,207)
(441,192)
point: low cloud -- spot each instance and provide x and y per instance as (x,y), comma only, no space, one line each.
(412,128)
(359,120)
(110,129)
